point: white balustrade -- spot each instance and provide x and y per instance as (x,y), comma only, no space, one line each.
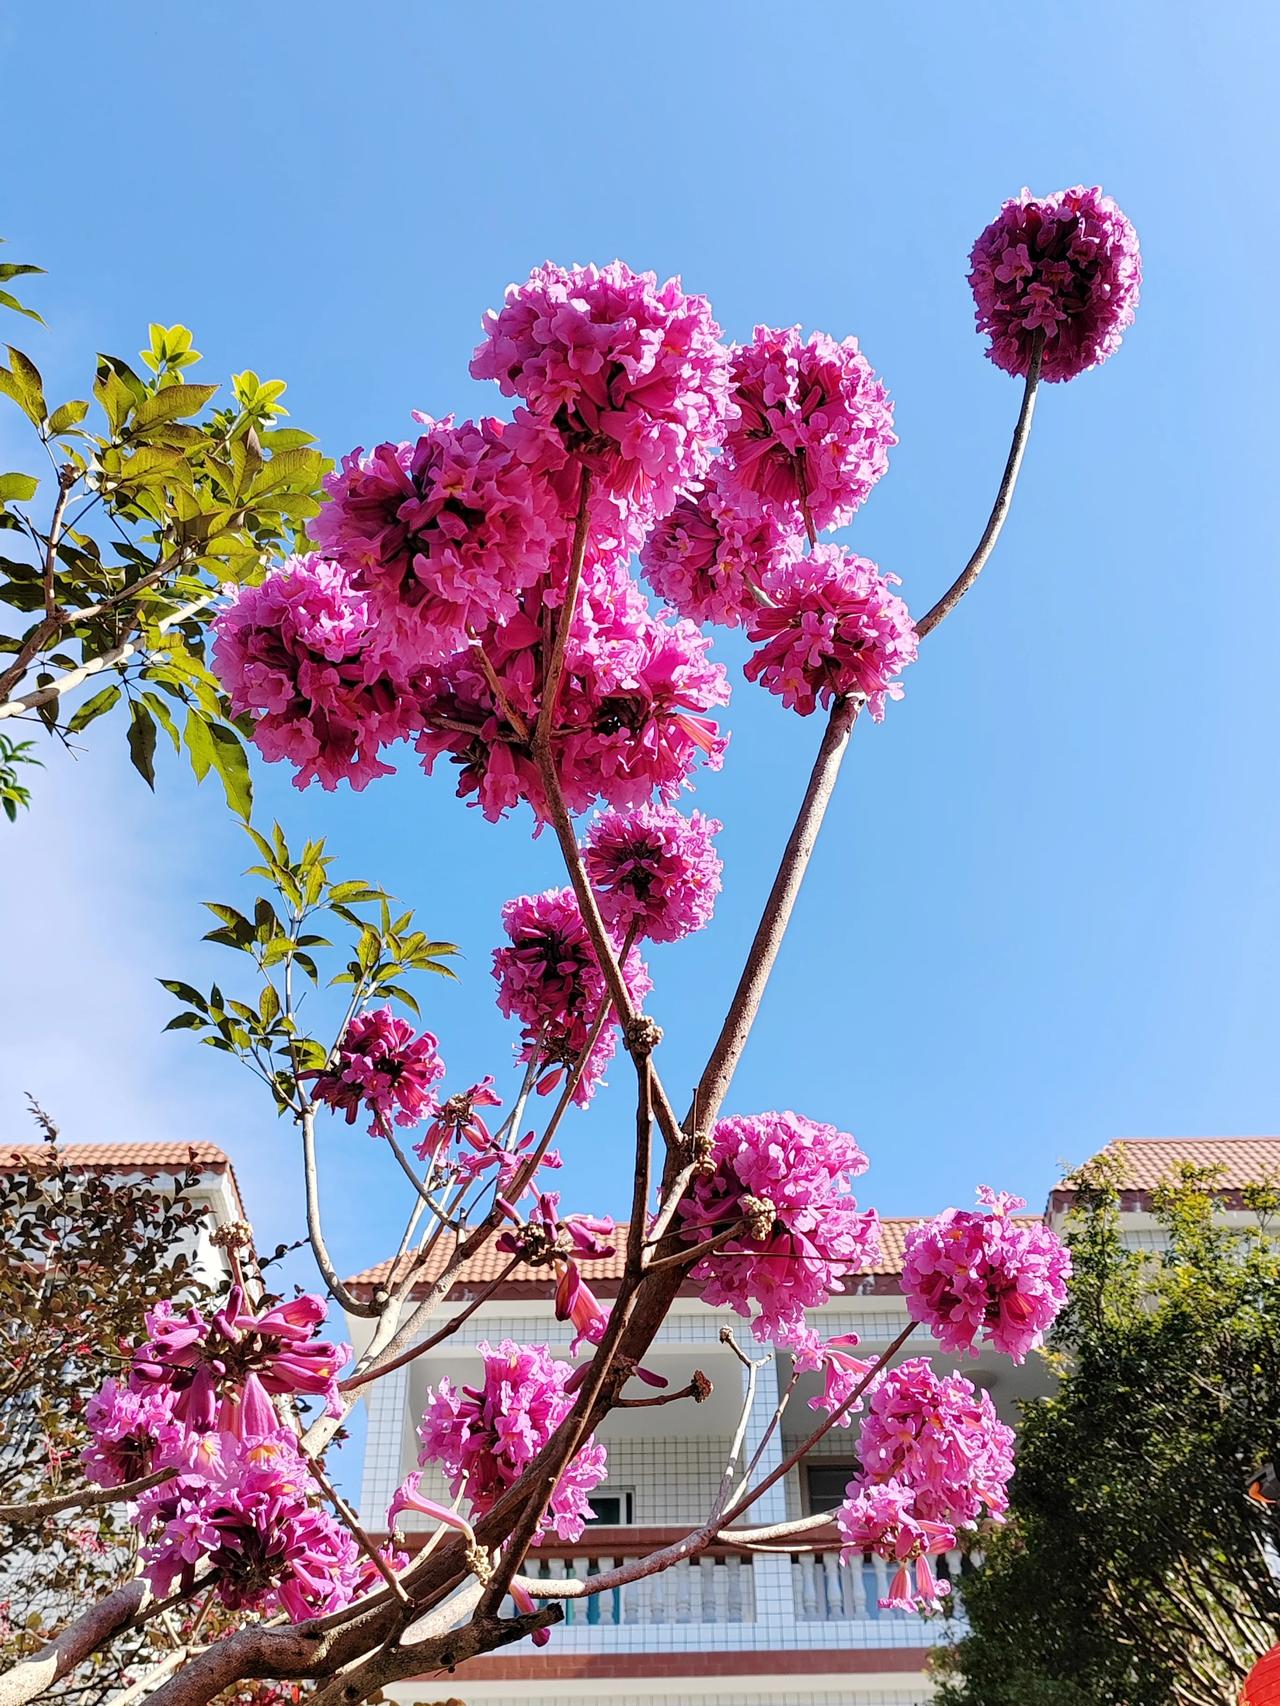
(720,1593)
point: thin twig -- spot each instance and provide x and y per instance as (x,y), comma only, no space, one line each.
(718,1074)
(555,664)
(117,654)
(692,1390)
(449,1328)
(88,1498)
(818,1433)
(315,1233)
(1004,499)
(495,686)
(362,1540)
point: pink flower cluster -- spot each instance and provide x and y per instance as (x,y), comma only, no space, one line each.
(940,1437)
(304,656)
(441,536)
(780,1189)
(630,715)
(242,1509)
(655,872)
(1067,265)
(966,1274)
(207,1362)
(126,1428)
(833,626)
(550,980)
(456,1120)
(631,373)
(384,1068)
(814,425)
(239,1502)
(484,1437)
(710,556)
(881,1518)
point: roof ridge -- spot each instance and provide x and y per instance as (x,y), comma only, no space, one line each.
(175,1146)
(1260,1137)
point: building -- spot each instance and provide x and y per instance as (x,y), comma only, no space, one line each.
(216,1188)
(733,1628)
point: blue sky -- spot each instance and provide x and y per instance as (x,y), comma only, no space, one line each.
(1046,906)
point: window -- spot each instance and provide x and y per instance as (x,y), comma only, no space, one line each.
(826,1483)
(614,1507)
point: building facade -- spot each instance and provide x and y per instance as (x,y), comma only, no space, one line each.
(215,1189)
(731,1628)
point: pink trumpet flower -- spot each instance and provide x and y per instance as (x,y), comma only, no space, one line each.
(409,1498)
(523,1602)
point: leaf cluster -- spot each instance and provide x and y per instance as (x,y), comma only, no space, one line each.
(161,490)
(1135,1571)
(83,1256)
(363,944)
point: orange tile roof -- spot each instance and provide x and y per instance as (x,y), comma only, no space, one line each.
(1148,1161)
(484,1268)
(124,1157)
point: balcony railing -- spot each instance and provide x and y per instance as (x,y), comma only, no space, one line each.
(827,1591)
(809,1595)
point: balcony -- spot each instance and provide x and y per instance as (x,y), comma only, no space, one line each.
(730,1599)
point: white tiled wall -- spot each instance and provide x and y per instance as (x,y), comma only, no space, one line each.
(675,1480)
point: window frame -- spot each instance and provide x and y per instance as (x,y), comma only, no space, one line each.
(626,1497)
(847,1467)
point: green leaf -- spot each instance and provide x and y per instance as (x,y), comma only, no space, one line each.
(348,893)
(185,1022)
(184,992)
(198,743)
(9,300)
(172,403)
(67,415)
(112,393)
(26,376)
(296,467)
(269,1006)
(287,438)
(17,488)
(402,995)
(160,711)
(228,914)
(142,743)
(232,764)
(93,708)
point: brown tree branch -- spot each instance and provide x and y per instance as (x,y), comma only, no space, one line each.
(88,1498)
(31,1677)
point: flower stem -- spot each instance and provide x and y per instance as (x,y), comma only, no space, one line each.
(1004,500)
